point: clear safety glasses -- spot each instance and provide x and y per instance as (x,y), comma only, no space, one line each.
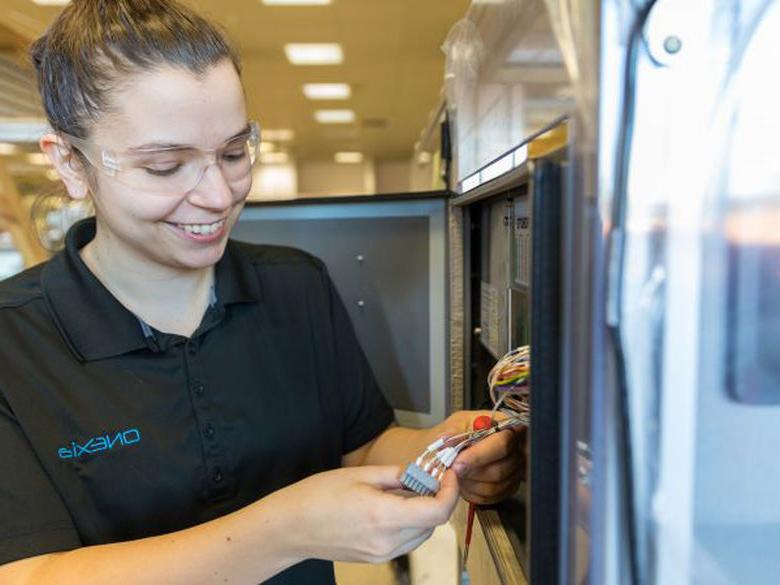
(175,170)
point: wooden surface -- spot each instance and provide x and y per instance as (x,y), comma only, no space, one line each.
(492,559)
(436,561)
(365,574)
(457,309)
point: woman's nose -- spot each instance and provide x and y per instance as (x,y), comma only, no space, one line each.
(213,190)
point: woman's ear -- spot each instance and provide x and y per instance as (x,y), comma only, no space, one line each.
(67,164)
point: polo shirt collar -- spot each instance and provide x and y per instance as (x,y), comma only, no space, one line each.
(94,323)
(235,277)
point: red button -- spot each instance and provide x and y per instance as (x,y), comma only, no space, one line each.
(482,422)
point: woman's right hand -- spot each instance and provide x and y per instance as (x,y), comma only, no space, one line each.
(359,514)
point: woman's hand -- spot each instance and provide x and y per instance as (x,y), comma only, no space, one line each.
(492,469)
(360,514)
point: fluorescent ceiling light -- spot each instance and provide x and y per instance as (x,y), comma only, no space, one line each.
(266,147)
(275,158)
(348,157)
(8,149)
(334,116)
(327,91)
(314,53)
(498,168)
(278,135)
(297,2)
(51,2)
(521,155)
(38,158)
(470,183)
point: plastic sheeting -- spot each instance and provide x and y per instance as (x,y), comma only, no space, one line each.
(505,79)
(575,25)
(699,307)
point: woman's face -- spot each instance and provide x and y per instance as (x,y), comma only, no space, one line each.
(171,106)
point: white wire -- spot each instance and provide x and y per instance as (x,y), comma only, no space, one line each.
(513,402)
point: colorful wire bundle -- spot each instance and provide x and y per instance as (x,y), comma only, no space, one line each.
(509,387)
(509,383)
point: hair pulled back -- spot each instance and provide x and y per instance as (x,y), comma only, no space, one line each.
(96,44)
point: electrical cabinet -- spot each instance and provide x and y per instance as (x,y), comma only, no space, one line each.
(511,229)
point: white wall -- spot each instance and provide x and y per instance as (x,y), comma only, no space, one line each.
(393,176)
(421,177)
(274,181)
(322,178)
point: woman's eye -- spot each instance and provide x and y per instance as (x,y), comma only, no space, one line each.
(234,156)
(160,171)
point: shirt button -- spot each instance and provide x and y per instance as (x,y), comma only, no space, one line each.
(210,432)
(192,350)
(217,475)
(199,389)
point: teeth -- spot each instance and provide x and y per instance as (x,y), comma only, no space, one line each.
(202,228)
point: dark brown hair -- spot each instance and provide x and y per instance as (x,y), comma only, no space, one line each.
(94,44)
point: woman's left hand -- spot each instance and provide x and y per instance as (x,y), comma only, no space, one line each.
(492,469)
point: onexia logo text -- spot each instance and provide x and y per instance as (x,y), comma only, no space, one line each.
(100,443)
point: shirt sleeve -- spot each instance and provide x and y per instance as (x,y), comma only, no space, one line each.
(33,517)
(366,411)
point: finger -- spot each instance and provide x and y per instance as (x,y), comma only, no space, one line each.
(475,414)
(385,477)
(427,512)
(489,490)
(449,490)
(494,472)
(410,545)
(493,448)
(488,493)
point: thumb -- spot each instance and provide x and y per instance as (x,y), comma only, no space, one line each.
(427,512)
(449,490)
(384,477)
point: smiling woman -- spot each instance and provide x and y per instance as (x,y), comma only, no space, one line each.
(150,428)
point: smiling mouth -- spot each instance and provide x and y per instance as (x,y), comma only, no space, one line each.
(203,229)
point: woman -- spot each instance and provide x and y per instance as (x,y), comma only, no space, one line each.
(176,407)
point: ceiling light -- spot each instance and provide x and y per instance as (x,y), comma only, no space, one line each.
(51,2)
(8,149)
(314,53)
(275,158)
(327,91)
(349,157)
(424,157)
(279,135)
(38,158)
(334,116)
(266,147)
(297,2)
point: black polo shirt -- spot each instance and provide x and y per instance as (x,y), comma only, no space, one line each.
(110,431)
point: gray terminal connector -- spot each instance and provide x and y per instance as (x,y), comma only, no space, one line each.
(418,481)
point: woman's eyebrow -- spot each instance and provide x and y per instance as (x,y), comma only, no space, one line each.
(154,146)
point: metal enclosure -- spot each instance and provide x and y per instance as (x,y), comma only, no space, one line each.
(513,266)
(387,259)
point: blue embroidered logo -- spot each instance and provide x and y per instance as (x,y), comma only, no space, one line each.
(100,443)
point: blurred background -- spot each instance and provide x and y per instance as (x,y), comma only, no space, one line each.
(343,90)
